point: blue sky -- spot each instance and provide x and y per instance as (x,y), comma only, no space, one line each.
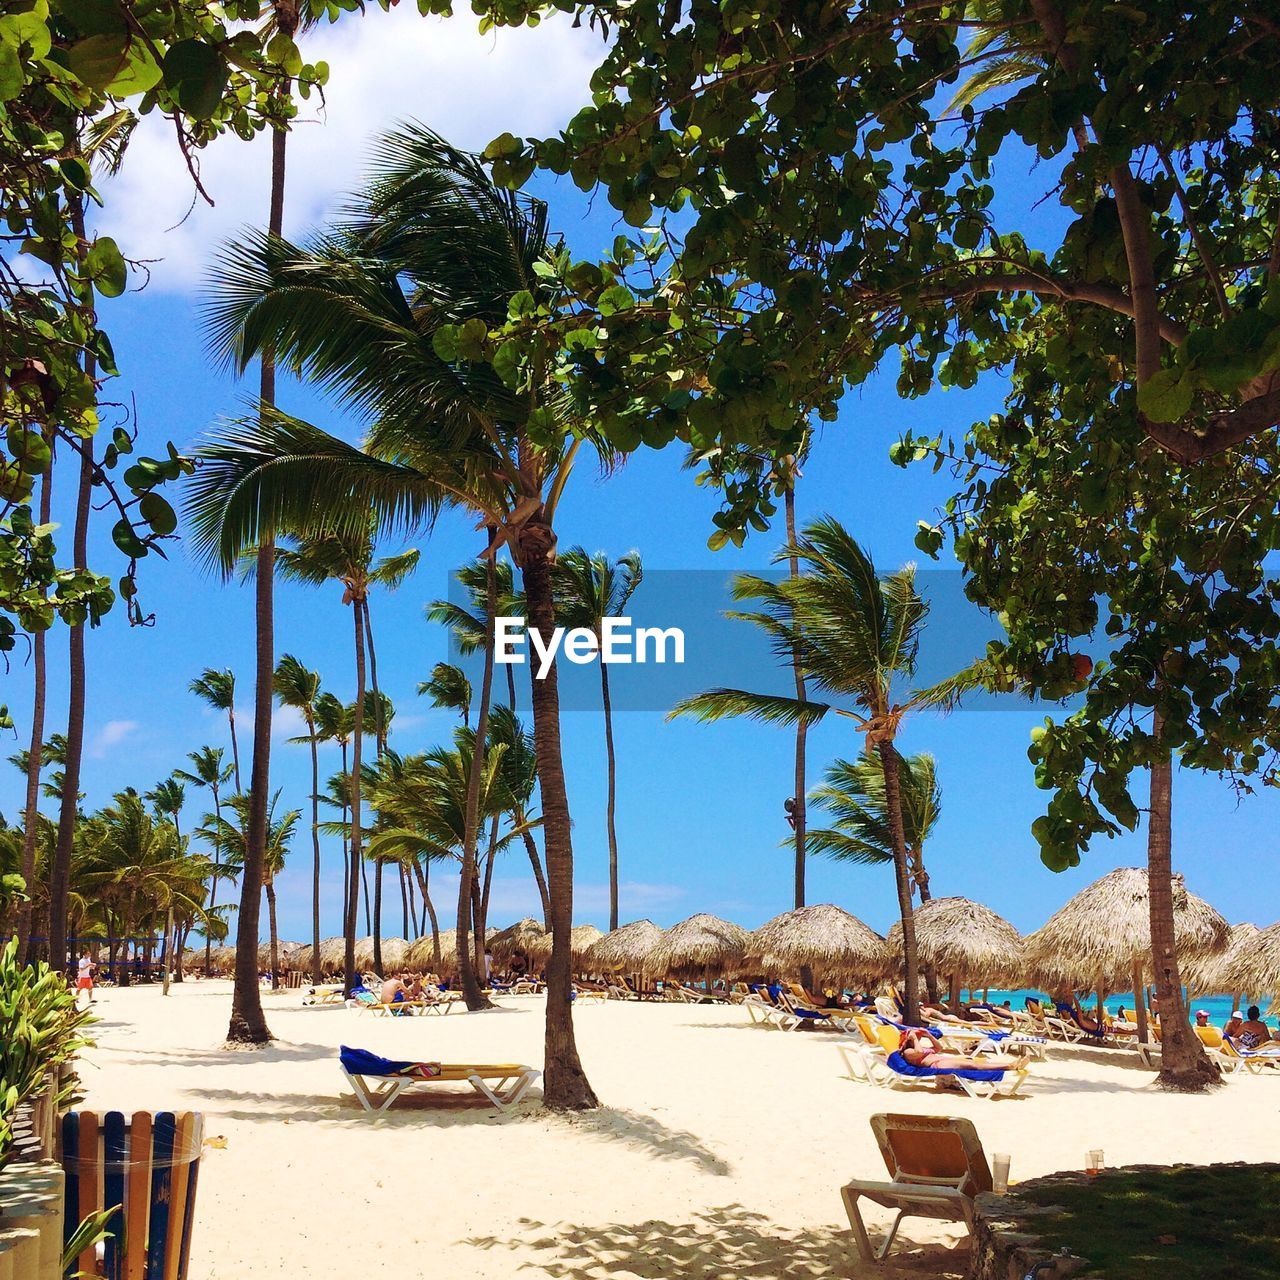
(699,807)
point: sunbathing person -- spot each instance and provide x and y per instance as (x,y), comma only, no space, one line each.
(1253,1031)
(922,1049)
(394,991)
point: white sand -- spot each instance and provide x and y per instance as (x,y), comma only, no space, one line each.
(719,1151)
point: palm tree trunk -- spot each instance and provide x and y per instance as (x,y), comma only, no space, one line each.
(60,868)
(275,934)
(315,850)
(213,879)
(511,685)
(377,919)
(248,1024)
(35,752)
(611,796)
(531,847)
(1183,1063)
(482,925)
(409,932)
(357,743)
(380,723)
(893,800)
(566,1086)
(424,885)
(167,953)
(471,823)
(364,882)
(346,842)
(231,711)
(798,813)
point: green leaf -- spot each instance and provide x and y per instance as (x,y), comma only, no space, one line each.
(158,514)
(11,76)
(1166,396)
(284,53)
(196,74)
(124,536)
(104,265)
(117,63)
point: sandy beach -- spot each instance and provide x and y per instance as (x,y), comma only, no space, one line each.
(719,1150)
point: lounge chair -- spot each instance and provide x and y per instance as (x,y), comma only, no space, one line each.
(144,1168)
(884,1065)
(763,1011)
(1255,1061)
(936,1168)
(323,995)
(503,1085)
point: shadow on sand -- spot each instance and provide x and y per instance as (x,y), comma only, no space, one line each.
(730,1241)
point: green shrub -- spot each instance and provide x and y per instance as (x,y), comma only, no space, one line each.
(40,1029)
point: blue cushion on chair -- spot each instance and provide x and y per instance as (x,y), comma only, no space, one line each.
(904,1068)
(360,1062)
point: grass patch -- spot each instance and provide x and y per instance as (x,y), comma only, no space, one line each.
(1192,1221)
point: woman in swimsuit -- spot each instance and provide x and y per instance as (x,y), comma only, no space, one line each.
(922,1049)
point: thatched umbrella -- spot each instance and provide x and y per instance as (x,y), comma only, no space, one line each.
(421,953)
(223,958)
(823,938)
(964,939)
(333,954)
(627,949)
(393,953)
(581,940)
(702,944)
(1215,974)
(1254,966)
(1102,937)
(526,937)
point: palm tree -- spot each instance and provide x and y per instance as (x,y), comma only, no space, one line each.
(167,798)
(298,687)
(590,589)
(373,310)
(207,770)
(859,634)
(448,687)
(470,628)
(519,775)
(35,753)
(233,837)
(853,794)
(218,689)
(780,476)
(136,867)
(348,559)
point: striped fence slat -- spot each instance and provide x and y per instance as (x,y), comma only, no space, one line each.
(138,1192)
(115,1153)
(90,1183)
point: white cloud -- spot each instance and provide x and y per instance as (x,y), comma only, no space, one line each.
(383,67)
(112,734)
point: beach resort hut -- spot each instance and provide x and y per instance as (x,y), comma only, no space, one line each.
(965,941)
(1101,940)
(1215,974)
(701,946)
(581,940)
(836,946)
(524,938)
(627,949)
(1253,967)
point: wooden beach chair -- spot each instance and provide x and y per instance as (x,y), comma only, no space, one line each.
(502,1084)
(936,1169)
(144,1167)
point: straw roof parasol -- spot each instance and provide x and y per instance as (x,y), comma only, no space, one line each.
(1213,974)
(421,953)
(526,937)
(284,950)
(582,939)
(824,938)
(1254,968)
(701,942)
(333,952)
(627,949)
(964,939)
(1102,937)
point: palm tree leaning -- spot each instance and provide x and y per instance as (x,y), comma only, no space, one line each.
(167,798)
(218,689)
(207,770)
(375,310)
(298,687)
(590,589)
(449,688)
(348,560)
(859,634)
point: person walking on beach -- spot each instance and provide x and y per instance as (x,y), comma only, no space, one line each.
(84,977)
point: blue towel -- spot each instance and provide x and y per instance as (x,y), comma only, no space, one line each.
(360,1062)
(904,1068)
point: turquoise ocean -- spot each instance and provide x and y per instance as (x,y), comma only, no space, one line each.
(1218,1007)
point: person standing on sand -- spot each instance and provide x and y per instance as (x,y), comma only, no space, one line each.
(84,977)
